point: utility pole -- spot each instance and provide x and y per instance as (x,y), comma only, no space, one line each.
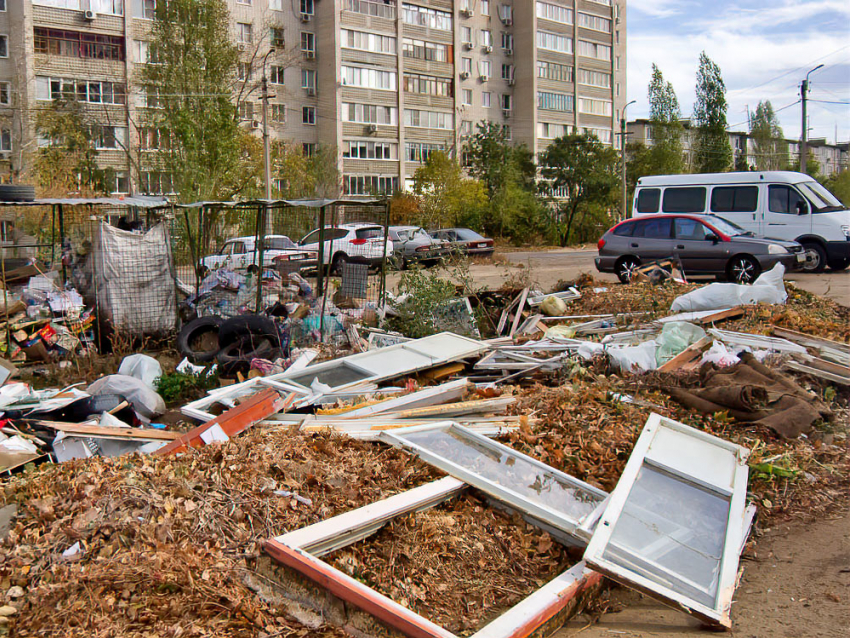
(804,150)
(264,221)
(623,157)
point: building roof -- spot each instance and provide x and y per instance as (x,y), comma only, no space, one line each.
(136,201)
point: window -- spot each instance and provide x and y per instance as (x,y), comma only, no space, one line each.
(367,41)
(369,114)
(596,23)
(308,149)
(690,229)
(419,151)
(148,9)
(687,199)
(554,12)
(594,107)
(109,137)
(507,41)
(5,140)
(61,4)
(367,149)
(155,183)
(423,50)
(428,119)
(277,38)
(277,75)
(485,99)
(369,184)
(307,7)
(594,78)
(466,34)
(243,2)
(466,130)
(485,69)
(308,42)
(95,92)
(149,98)
(244,32)
(552,71)
(3,5)
(555,102)
(5,93)
(279,113)
(73,44)
(428,85)
(624,230)
(425,17)
(368,78)
(734,199)
(308,79)
(594,50)
(243,71)
(466,98)
(507,72)
(506,101)
(370,8)
(648,200)
(122,182)
(551,131)
(466,65)
(658,228)
(485,37)
(783,199)
(153,139)
(145,53)
(246,111)
(554,42)
(308,115)
(485,7)
(106,7)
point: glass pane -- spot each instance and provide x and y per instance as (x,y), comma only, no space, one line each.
(673,533)
(332,376)
(496,464)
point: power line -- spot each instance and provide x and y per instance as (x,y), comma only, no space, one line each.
(787,106)
(791,71)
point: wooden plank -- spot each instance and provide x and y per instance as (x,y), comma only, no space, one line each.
(443,372)
(86,429)
(518,316)
(833,350)
(429,396)
(503,319)
(455,409)
(816,372)
(686,356)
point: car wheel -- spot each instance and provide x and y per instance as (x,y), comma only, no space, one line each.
(626,269)
(253,269)
(815,257)
(743,269)
(839,264)
(338,261)
(198,339)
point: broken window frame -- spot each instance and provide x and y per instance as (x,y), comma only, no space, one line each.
(737,524)
(301,548)
(535,511)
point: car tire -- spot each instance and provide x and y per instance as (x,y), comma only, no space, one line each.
(198,339)
(238,355)
(253,326)
(837,265)
(816,257)
(743,269)
(625,269)
(339,260)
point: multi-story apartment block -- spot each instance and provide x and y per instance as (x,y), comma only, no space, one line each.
(385,82)
(831,158)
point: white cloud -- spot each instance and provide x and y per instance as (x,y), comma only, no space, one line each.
(657,8)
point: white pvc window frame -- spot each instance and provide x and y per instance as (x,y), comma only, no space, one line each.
(698,461)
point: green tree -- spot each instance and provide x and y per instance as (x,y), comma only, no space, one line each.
(493,160)
(665,120)
(770,150)
(68,161)
(192,86)
(446,196)
(712,151)
(585,170)
(839,185)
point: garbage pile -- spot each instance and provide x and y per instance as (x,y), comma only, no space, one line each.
(312,472)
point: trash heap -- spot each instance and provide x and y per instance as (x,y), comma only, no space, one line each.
(450,482)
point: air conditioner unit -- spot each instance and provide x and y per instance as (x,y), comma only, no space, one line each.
(311,91)
(306,17)
(372,128)
(466,12)
(511,81)
(464,75)
(89,16)
(468,46)
(484,77)
(310,55)
(255,124)
(507,21)
(508,51)
(241,46)
(488,49)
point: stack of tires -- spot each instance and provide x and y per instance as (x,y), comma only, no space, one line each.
(232,343)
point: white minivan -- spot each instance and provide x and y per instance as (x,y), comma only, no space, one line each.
(777,204)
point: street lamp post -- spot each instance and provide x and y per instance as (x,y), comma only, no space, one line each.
(804,150)
(264,226)
(623,155)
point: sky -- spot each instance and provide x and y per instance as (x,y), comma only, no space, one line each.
(764,49)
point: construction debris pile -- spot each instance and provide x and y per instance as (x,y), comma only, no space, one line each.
(321,464)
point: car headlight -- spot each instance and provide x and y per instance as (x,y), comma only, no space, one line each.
(776,249)
(846,230)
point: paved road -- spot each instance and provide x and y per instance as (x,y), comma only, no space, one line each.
(549,266)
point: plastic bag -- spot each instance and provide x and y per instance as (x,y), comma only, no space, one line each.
(768,288)
(145,401)
(720,355)
(640,358)
(567,332)
(142,367)
(675,337)
(553,307)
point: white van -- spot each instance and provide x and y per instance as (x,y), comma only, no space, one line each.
(777,204)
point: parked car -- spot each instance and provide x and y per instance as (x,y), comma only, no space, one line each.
(412,244)
(465,240)
(781,204)
(704,244)
(240,254)
(357,243)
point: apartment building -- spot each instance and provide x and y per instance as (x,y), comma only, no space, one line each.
(831,158)
(385,82)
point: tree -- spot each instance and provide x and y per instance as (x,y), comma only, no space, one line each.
(446,196)
(191,87)
(494,161)
(839,185)
(770,150)
(712,151)
(68,161)
(665,117)
(586,170)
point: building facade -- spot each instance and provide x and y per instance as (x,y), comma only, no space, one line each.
(383,82)
(831,158)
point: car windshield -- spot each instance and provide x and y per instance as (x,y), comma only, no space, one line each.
(372,232)
(821,199)
(278,243)
(725,227)
(465,233)
(420,234)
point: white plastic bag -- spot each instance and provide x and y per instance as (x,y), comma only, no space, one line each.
(768,288)
(719,355)
(553,306)
(640,358)
(146,402)
(142,367)
(675,337)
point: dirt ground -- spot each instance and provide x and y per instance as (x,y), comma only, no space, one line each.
(795,585)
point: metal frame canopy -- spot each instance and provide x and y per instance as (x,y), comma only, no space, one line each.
(527,485)
(675,523)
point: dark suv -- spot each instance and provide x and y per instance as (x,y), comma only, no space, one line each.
(704,244)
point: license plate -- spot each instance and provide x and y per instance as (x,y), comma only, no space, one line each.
(801,257)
